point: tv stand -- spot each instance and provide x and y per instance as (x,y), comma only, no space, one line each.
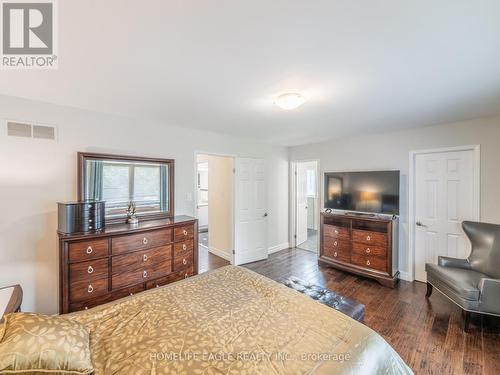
(366,245)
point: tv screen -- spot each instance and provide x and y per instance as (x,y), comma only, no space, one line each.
(373,192)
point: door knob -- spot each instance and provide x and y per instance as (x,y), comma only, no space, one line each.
(265,215)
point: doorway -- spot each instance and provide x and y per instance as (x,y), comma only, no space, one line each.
(444,191)
(306,202)
(214,209)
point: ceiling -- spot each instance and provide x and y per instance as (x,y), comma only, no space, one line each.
(364,66)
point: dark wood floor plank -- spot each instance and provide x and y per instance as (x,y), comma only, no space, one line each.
(427,333)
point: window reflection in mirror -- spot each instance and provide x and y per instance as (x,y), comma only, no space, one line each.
(118,182)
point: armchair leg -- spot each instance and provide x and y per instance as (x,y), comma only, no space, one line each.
(429,290)
(467,316)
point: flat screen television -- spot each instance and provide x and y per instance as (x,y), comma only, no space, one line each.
(371,192)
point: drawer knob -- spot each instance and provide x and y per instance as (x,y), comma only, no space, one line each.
(335,243)
(335,254)
(336,231)
(368,238)
(185,232)
(368,251)
(184,261)
(145,241)
(90,289)
(145,274)
(90,220)
(184,247)
(89,206)
(368,263)
(90,227)
(90,269)
(89,250)
(186,276)
(157,286)
(86,308)
(131,294)
(144,258)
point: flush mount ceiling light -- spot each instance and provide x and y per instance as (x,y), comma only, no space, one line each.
(289,101)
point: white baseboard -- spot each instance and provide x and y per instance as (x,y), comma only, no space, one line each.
(220,253)
(281,246)
(404,276)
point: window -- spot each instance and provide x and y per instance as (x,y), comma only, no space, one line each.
(311,183)
(124,183)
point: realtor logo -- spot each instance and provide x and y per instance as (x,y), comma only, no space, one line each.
(28,35)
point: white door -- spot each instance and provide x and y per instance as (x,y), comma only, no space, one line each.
(250,211)
(301,203)
(444,197)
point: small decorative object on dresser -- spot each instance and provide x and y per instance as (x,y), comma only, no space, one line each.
(364,245)
(131,216)
(11,298)
(82,216)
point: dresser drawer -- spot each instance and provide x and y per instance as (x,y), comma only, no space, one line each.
(368,261)
(141,241)
(336,232)
(140,275)
(87,289)
(84,305)
(85,250)
(165,280)
(336,244)
(92,269)
(341,254)
(183,233)
(140,259)
(369,238)
(183,247)
(183,261)
(364,249)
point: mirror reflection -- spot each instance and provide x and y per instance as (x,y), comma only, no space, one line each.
(118,182)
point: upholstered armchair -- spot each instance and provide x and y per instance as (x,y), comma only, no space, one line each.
(472,283)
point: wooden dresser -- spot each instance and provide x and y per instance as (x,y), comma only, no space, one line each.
(364,245)
(121,260)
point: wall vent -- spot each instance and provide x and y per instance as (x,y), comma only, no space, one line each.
(19,129)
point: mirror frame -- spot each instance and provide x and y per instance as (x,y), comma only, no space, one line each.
(84,156)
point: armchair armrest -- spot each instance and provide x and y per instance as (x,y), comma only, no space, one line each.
(489,300)
(453,262)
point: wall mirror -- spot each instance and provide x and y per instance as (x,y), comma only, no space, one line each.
(118,180)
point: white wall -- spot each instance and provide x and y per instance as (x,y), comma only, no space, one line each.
(35,174)
(391,151)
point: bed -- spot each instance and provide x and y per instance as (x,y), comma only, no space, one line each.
(231,321)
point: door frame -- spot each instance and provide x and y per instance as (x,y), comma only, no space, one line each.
(195,194)
(293,199)
(412,190)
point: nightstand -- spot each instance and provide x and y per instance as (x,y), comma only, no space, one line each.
(11,298)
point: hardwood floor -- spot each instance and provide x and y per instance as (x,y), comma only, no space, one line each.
(427,333)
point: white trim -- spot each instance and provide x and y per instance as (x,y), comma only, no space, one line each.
(195,190)
(220,253)
(404,276)
(275,249)
(293,200)
(411,195)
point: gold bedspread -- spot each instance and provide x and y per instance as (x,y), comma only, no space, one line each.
(231,321)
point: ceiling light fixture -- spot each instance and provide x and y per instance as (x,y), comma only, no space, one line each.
(289,101)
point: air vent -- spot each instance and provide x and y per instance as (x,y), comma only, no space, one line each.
(44,132)
(19,129)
